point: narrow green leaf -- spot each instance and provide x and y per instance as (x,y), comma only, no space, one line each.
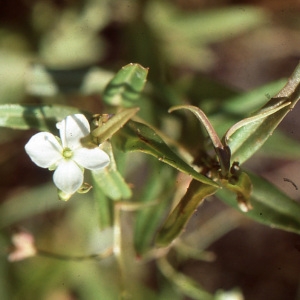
(112,184)
(125,87)
(247,136)
(270,206)
(178,218)
(136,136)
(107,129)
(109,180)
(40,117)
(255,121)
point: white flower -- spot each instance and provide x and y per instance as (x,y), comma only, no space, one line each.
(66,155)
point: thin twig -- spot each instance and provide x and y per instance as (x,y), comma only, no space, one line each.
(97,256)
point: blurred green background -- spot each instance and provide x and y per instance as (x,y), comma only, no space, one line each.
(201,52)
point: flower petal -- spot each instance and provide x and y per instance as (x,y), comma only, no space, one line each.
(92,159)
(44,149)
(72,129)
(23,246)
(68,176)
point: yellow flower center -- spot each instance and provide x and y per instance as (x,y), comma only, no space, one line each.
(67,153)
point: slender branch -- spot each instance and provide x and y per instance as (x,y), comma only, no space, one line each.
(97,256)
(185,284)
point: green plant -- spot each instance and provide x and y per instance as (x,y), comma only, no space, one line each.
(124,131)
(154,145)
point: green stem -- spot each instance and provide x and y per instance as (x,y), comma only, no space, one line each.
(98,256)
(117,249)
(185,284)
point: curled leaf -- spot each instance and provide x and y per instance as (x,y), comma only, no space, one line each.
(223,152)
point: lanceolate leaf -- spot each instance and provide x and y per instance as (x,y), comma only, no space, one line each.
(107,129)
(136,136)
(125,87)
(109,180)
(40,117)
(178,218)
(248,135)
(269,205)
